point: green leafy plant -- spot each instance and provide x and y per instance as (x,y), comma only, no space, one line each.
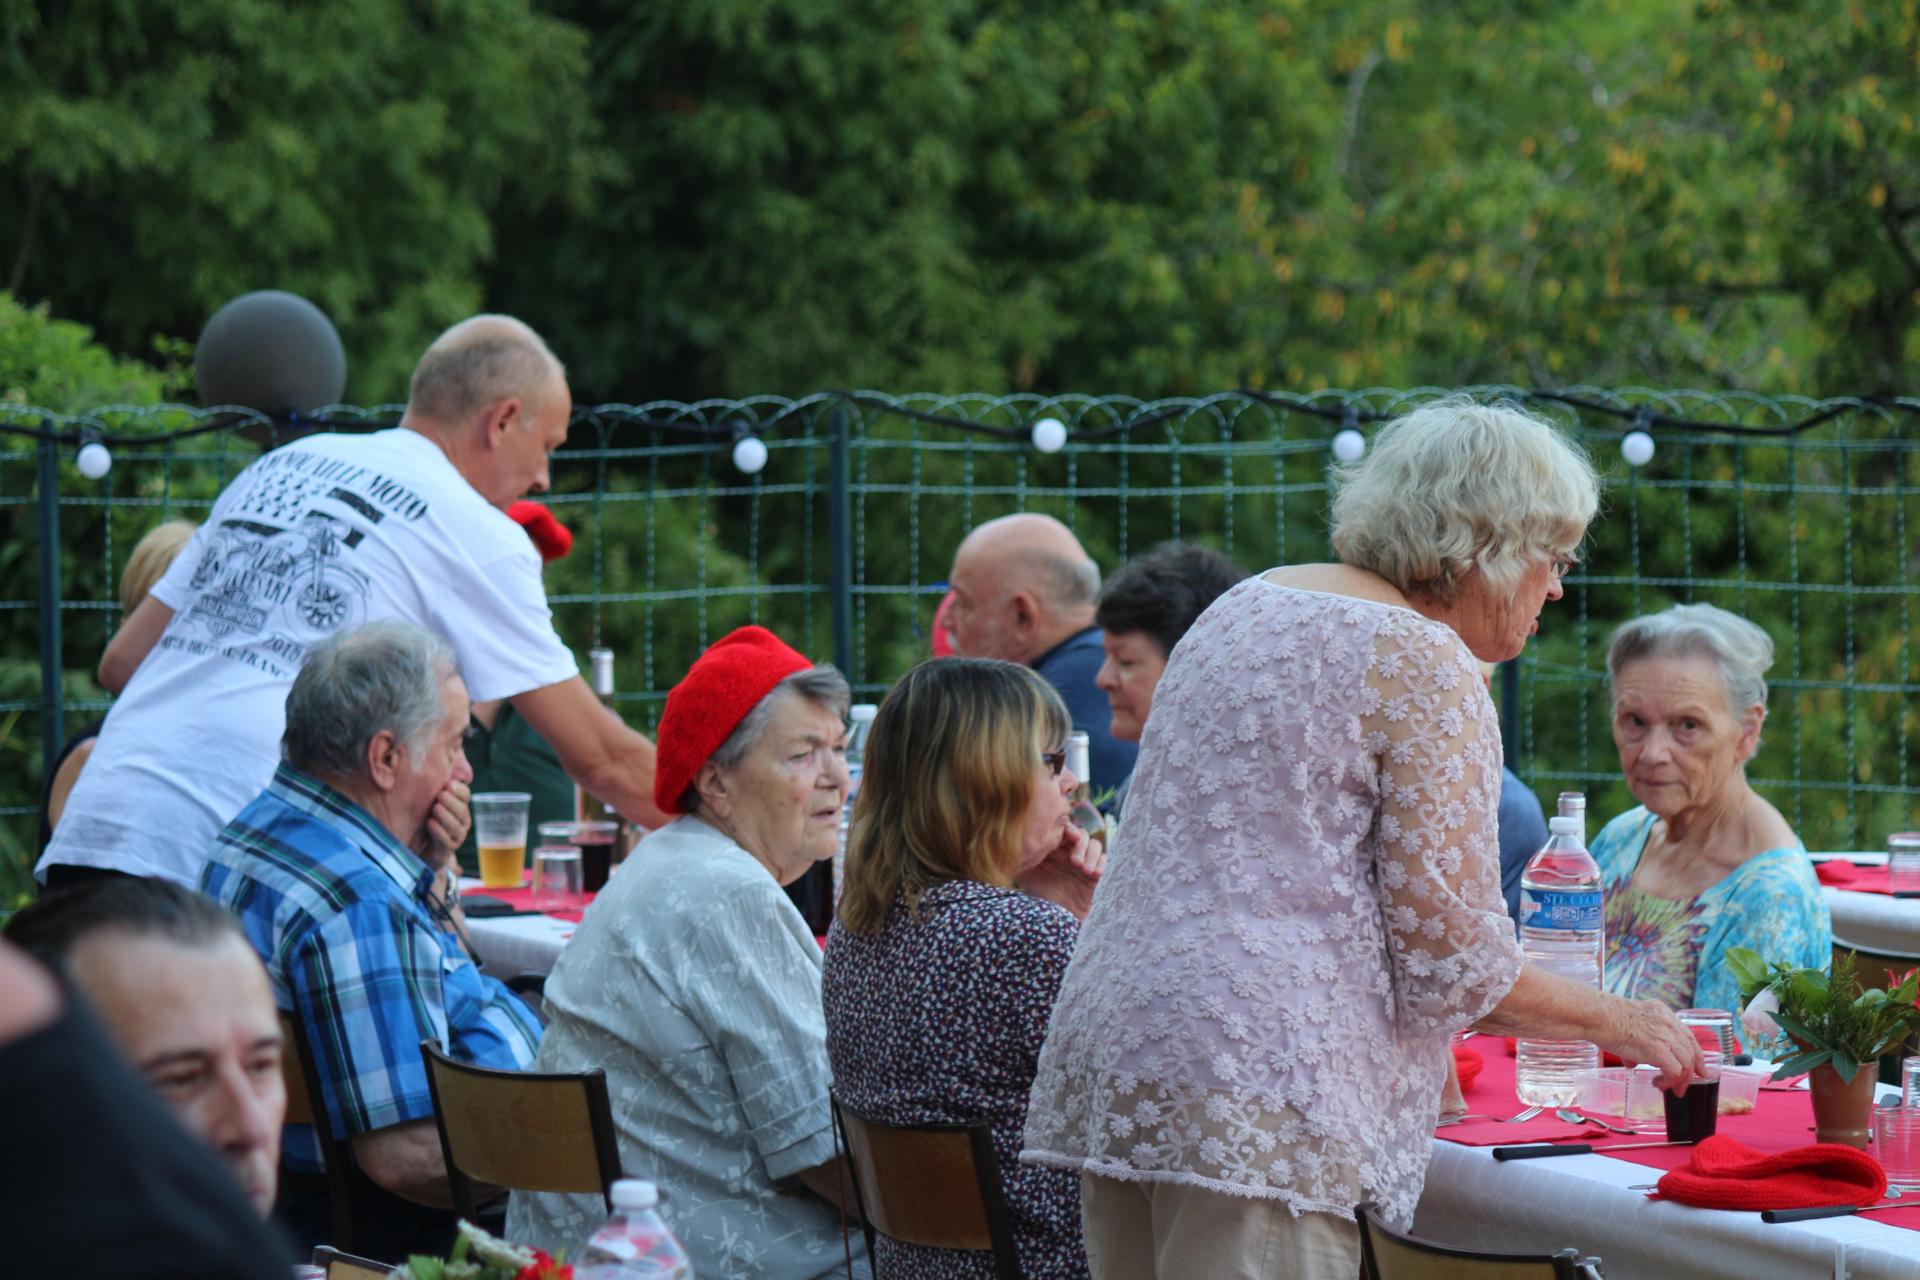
(479,1256)
(1830,1018)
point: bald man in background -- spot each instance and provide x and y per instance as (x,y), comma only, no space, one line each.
(320,536)
(1024,591)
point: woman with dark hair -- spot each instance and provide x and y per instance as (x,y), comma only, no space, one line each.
(965,888)
(1144,610)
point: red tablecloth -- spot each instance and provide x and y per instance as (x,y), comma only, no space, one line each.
(1781,1120)
(1855,879)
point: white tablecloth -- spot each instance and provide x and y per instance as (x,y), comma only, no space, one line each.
(510,945)
(1875,921)
(1584,1202)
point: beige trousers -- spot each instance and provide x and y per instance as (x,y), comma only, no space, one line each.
(1164,1231)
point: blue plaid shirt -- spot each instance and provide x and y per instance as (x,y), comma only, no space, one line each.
(339,911)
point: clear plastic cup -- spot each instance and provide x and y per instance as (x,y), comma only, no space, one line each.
(557,882)
(1896,1144)
(500,833)
(1713,1028)
(1903,861)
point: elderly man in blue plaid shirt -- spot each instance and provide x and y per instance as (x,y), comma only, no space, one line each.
(342,875)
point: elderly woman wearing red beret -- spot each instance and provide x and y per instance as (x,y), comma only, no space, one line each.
(695,984)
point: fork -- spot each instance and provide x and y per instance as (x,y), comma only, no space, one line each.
(1526,1115)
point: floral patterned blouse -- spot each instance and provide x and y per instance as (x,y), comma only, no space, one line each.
(1676,952)
(1303,902)
(938,1019)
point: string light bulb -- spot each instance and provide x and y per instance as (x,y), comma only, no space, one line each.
(1049,435)
(1349,445)
(95,460)
(750,454)
(1637,448)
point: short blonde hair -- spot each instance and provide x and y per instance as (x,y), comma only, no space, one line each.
(1456,486)
(152,556)
(949,773)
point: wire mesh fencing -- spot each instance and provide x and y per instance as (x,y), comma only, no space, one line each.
(1797,514)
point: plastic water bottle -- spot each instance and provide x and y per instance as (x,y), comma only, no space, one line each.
(861,714)
(1560,929)
(633,1244)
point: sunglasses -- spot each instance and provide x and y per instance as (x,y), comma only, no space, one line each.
(1055,761)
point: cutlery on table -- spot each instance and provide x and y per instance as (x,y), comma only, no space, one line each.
(1574,1117)
(1526,1115)
(1542,1150)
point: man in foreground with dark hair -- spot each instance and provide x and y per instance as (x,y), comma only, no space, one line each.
(184,997)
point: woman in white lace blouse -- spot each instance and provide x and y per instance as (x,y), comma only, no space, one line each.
(1304,901)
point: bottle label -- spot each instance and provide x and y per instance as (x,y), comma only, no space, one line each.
(1553,909)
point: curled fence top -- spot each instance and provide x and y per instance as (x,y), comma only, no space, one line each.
(1085,418)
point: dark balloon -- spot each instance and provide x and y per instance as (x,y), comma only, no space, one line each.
(272,351)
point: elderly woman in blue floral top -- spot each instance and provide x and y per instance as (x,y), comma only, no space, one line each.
(1704,863)
(965,886)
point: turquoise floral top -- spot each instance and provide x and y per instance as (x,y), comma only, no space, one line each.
(1675,952)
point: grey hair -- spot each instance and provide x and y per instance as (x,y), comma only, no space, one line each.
(1740,650)
(1064,583)
(383,676)
(1457,485)
(479,362)
(821,683)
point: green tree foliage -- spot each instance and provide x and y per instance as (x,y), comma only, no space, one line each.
(1171,197)
(55,364)
(161,158)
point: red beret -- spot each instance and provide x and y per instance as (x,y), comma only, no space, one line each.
(552,538)
(942,637)
(720,688)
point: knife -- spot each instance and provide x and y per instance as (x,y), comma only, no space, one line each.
(1831,1211)
(1541,1150)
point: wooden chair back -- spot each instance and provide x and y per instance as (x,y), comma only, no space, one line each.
(344,1266)
(525,1130)
(1386,1254)
(306,1105)
(932,1185)
(1876,969)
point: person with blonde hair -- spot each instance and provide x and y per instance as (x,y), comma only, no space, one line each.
(965,886)
(151,557)
(1703,863)
(1305,898)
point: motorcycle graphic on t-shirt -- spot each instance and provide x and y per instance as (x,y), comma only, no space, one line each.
(251,572)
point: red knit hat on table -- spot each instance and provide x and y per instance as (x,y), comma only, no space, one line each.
(720,688)
(1724,1174)
(552,538)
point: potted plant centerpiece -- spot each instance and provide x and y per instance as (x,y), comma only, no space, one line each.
(1838,1031)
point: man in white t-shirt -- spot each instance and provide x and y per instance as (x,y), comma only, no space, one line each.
(322,535)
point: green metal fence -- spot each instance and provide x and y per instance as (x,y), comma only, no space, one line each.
(1797,513)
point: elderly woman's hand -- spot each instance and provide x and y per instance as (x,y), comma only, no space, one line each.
(447,826)
(1647,1031)
(1068,874)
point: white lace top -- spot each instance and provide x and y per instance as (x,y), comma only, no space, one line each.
(1303,902)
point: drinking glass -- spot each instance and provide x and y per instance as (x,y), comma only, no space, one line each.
(556,878)
(500,832)
(1910,1082)
(1896,1144)
(1713,1028)
(1903,861)
(1694,1112)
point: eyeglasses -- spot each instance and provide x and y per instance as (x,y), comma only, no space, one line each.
(1562,566)
(1054,760)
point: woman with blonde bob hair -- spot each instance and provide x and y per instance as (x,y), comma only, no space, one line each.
(965,887)
(1252,1037)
